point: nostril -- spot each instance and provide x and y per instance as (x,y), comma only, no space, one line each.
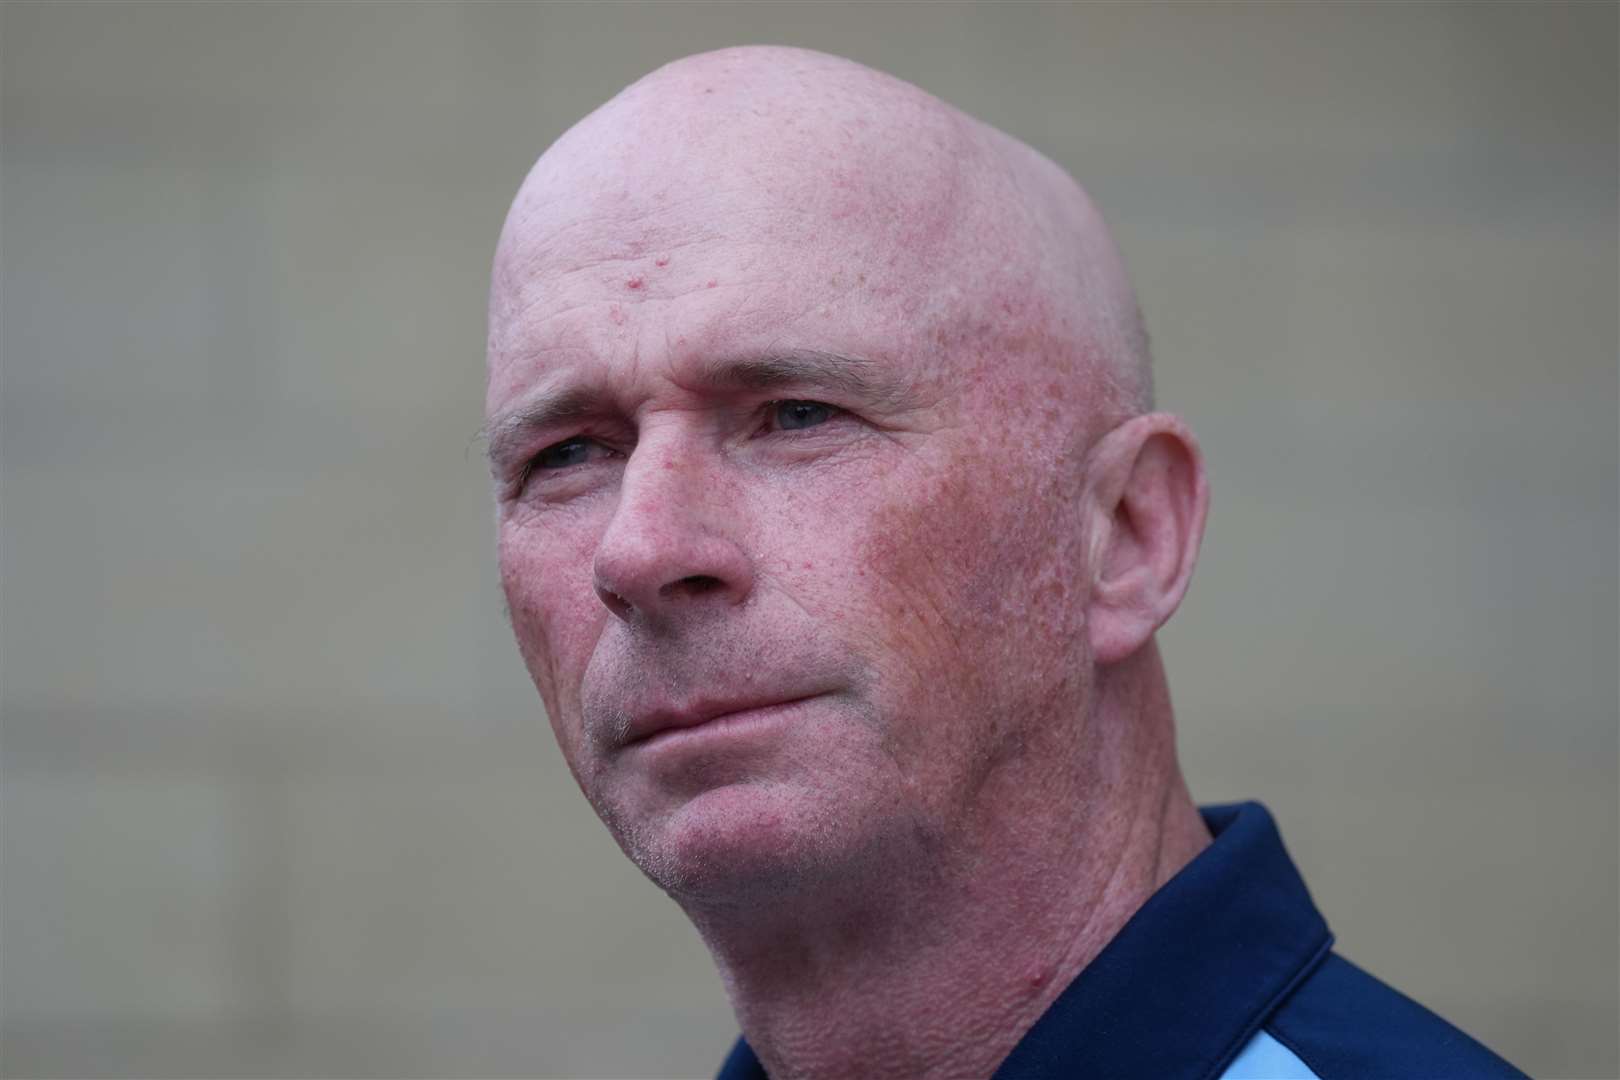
(692,585)
(615,603)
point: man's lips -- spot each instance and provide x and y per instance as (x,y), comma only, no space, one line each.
(695,714)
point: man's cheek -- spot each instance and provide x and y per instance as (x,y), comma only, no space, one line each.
(952,570)
(555,626)
(932,547)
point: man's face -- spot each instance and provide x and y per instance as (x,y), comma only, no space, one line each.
(788,521)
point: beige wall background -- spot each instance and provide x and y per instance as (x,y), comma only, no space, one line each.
(278,798)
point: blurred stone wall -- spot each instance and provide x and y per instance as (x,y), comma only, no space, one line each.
(278,798)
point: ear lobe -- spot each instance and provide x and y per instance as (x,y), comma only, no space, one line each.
(1149,497)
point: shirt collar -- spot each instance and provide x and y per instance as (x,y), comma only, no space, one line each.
(1188,979)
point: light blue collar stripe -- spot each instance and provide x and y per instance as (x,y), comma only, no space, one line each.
(1264,1058)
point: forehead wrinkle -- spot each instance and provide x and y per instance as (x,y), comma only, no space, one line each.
(547,266)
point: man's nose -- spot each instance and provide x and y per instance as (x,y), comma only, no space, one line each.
(670,547)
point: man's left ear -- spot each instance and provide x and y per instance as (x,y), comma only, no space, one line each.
(1147,500)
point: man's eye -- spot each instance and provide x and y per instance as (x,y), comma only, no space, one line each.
(793,415)
(563,454)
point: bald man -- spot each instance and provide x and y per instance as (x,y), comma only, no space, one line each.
(835,523)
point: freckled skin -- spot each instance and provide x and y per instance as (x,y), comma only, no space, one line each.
(899,875)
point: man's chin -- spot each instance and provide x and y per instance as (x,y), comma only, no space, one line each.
(737,842)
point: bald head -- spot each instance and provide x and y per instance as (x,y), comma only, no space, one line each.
(949,231)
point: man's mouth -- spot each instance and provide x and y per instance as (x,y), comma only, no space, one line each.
(665,721)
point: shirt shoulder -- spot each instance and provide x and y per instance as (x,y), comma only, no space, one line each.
(1346,1025)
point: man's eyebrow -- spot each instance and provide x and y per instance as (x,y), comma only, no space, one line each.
(854,377)
(502,434)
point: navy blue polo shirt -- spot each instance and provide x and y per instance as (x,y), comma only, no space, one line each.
(1227,973)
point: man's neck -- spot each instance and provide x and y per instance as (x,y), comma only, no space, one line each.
(939,972)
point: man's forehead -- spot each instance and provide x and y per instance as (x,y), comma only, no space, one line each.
(748,327)
(732,217)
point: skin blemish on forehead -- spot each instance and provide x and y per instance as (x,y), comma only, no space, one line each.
(635,282)
(616,315)
(662,260)
(712,283)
